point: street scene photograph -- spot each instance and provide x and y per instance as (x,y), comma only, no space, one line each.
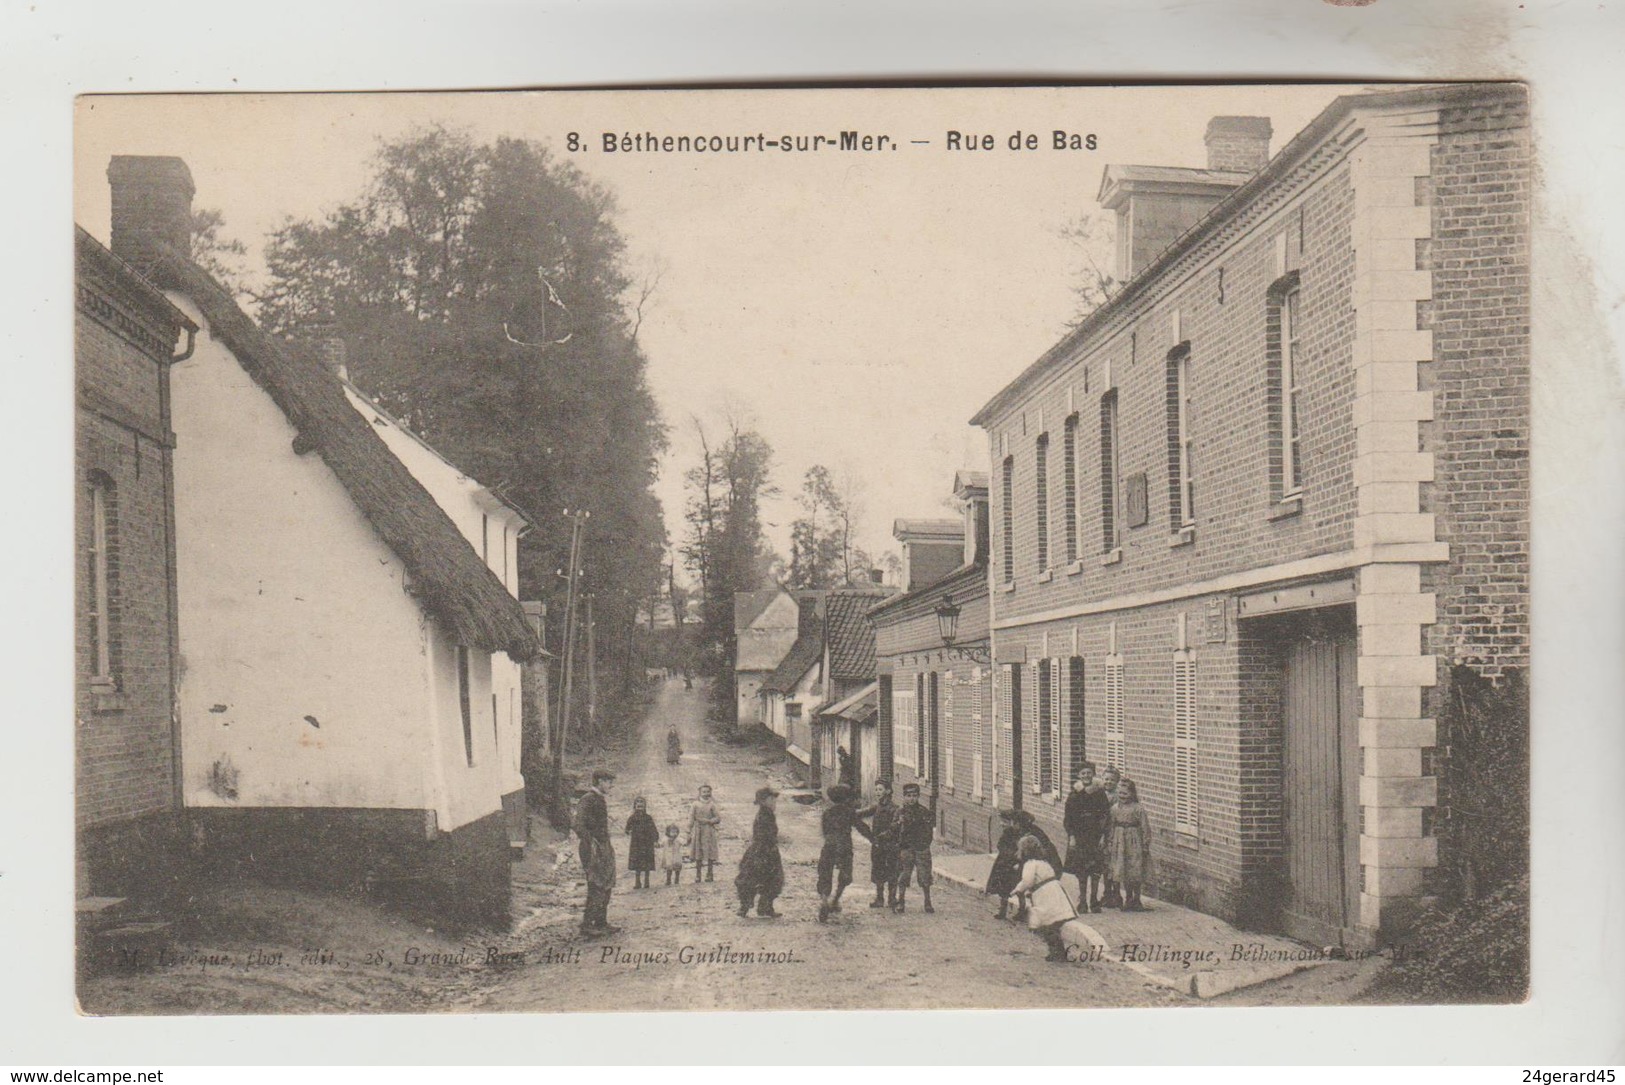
(802,549)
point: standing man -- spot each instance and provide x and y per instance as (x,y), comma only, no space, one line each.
(1087,808)
(597,854)
(883,845)
(916,825)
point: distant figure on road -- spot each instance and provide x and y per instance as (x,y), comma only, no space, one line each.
(703,820)
(674,746)
(883,845)
(761,869)
(597,854)
(839,819)
(645,835)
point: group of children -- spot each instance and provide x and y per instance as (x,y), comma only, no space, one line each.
(899,847)
(1108,849)
(646,848)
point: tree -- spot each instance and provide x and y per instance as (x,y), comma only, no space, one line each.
(217,254)
(1090,236)
(823,553)
(480,293)
(725,549)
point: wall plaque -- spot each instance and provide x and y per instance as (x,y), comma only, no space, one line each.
(1135,500)
(1217,624)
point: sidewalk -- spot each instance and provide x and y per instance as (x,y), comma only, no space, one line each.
(1189,952)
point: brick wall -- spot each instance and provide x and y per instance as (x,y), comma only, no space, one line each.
(1479,316)
(1223,312)
(125,750)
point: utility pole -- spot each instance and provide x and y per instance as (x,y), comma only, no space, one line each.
(560,806)
(592,669)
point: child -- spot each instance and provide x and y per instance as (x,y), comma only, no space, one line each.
(838,821)
(883,845)
(1006,872)
(1087,809)
(671,855)
(1128,845)
(1047,905)
(915,827)
(761,870)
(645,835)
(1112,897)
(703,819)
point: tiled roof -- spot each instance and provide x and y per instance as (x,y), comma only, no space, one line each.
(804,653)
(850,633)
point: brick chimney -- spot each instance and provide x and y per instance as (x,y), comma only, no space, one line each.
(152,206)
(1155,205)
(1238,144)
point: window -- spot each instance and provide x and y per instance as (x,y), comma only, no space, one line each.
(98,585)
(1185,744)
(1181,486)
(792,710)
(1282,356)
(463,702)
(1008,520)
(904,726)
(1042,500)
(1116,744)
(1111,525)
(485,538)
(927,725)
(1069,479)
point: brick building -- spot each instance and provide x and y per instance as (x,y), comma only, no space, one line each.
(126,336)
(1252,514)
(935,682)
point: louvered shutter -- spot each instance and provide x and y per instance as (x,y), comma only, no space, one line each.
(1116,752)
(1185,745)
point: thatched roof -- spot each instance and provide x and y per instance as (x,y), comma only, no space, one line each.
(444,573)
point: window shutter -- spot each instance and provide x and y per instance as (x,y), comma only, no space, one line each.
(1034,766)
(1077,746)
(1185,745)
(978,742)
(948,735)
(1116,752)
(1057,686)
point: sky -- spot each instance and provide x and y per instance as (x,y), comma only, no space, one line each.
(855,307)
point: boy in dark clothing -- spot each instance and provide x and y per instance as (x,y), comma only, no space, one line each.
(761,869)
(1087,808)
(916,825)
(839,819)
(883,848)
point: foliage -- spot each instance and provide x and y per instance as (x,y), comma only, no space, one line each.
(1474,945)
(822,553)
(724,548)
(217,254)
(1092,244)
(480,293)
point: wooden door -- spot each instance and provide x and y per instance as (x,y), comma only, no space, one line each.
(1320,779)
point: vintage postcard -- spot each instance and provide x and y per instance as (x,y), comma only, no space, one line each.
(832,548)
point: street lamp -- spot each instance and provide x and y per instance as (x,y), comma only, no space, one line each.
(948,626)
(948,620)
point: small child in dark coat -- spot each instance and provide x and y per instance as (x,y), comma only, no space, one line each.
(1006,872)
(645,835)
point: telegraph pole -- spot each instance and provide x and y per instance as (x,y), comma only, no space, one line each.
(592,668)
(560,733)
